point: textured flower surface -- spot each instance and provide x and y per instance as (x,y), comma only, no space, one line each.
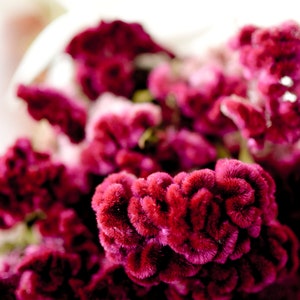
(56,108)
(31,181)
(269,58)
(168,229)
(104,56)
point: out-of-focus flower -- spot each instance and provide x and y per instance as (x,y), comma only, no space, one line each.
(31,181)
(58,109)
(104,56)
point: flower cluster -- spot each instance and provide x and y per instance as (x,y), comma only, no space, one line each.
(178,179)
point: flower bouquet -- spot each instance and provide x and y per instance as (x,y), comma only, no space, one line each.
(149,174)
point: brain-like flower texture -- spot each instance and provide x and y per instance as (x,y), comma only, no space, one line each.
(164,228)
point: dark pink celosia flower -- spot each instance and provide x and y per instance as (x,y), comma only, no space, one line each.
(163,228)
(115,135)
(105,55)
(63,262)
(269,59)
(275,50)
(31,181)
(48,274)
(183,150)
(72,235)
(249,119)
(113,75)
(112,282)
(197,101)
(59,110)
(272,258)
(109,38)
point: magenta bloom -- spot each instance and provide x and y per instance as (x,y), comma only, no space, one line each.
(47,274)
(104,56)
(60,111)
(198,102)
(269,59)
(272,259)
(114,136)
(31,181)
(183,150)
(165,229)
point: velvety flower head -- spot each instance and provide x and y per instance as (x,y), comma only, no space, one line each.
(112,283)
(47,274)
(58,109)
(63,261)
(195,99)
(249,119)
(272,258)
(118,127)
(31,181)
(104,56)
(275,49)
(165,228)
(269,59)
(109,38)
(183,150)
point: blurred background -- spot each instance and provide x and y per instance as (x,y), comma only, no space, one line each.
(20,22)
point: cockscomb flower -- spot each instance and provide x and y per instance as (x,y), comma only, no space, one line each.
(114,133)
(163,229)
(60,263)
(47,274)
(273,257)
(183,150)
(104,56)
(197,100)
(31,181)
(269,59)
(59,110)
(111,282)
(274,49)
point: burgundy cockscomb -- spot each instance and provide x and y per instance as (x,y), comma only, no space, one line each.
(274,50)
(164,229)
(111,283)
(183,150)
(56,108)
(272,258)
(198,100)
(104,56)
(115,133)
(269,59)
(31,181)
(47,274)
